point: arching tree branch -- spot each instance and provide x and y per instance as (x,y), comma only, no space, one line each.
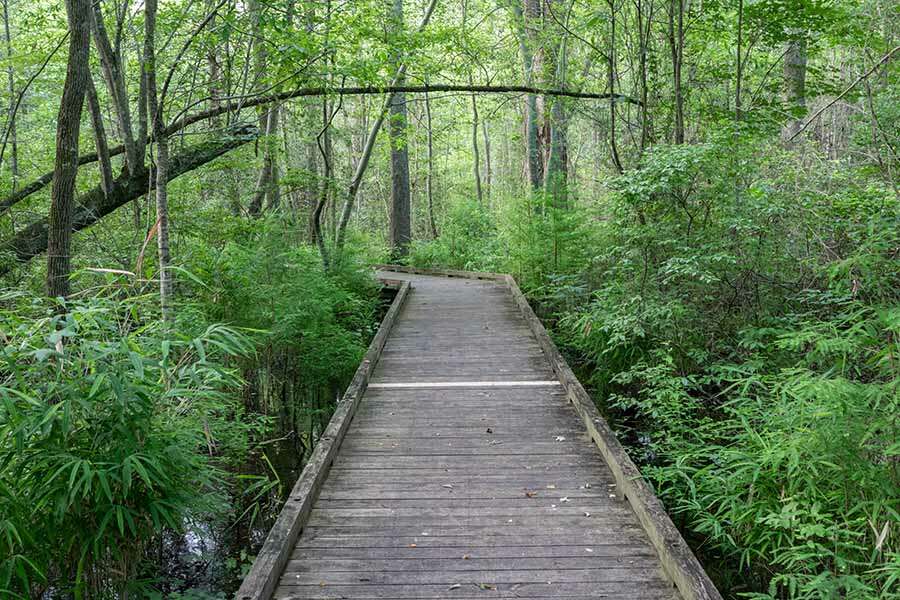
(235,105)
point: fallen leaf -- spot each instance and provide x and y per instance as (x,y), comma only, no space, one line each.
(530,493)
(455,586)
(413,546)
(588,549)
(551,486)
(465,557)
(560,438)
(449,486)
(487,586)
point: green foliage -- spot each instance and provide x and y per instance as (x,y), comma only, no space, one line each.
(742,333)
(110,429)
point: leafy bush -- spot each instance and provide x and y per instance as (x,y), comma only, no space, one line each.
(111,430)
(735,313)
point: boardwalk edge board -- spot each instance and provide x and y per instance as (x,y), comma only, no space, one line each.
(678,561)
(261,581)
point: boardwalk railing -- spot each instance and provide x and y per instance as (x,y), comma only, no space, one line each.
(260,582)
(676,558)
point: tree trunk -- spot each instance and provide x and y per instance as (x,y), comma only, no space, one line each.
(114,76)
(104,162)
(429,177)
(370,144)
(739,65)
(488,166)
(155,109)
(524,20)
(326,152)
(676,48)
(476,155)
(611,82)
(400,230)
(556,176)
(11,113)
(68,128)
(643,42)
(267,193)
(94,204)
(795,85)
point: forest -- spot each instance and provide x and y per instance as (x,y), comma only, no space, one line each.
(700,199)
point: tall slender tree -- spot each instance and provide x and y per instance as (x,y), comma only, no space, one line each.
(400,228)
(68,129)
(155,107)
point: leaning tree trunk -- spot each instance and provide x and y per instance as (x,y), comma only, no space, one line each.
(68,129)
(94,204)
(400,230)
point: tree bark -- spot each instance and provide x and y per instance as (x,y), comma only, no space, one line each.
(324,145)
(611,81)
(68,128)
(556,176)
(400,229)
(524,24)
(488,166)
(643,42)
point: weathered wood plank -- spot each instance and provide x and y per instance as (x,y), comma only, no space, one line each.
(647,590)
(472,552)
(447,577)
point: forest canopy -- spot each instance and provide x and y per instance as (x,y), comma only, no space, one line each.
(699,197)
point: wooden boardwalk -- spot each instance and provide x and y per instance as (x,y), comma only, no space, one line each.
(464,472)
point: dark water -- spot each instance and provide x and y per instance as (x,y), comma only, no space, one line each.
(209,561)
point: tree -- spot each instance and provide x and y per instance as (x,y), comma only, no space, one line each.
(68,129)
(155,106)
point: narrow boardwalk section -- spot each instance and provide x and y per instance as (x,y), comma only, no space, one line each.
(465,473)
